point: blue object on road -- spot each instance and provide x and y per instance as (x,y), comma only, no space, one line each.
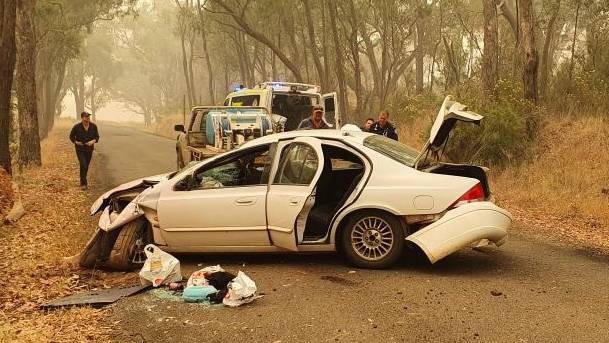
(195,294)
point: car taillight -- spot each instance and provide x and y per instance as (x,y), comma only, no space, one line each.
(475,193)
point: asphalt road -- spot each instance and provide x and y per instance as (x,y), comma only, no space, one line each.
(528,290)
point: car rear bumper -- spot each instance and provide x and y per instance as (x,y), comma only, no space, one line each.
(461,227)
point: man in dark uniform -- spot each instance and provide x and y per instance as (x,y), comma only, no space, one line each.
(84,135)
(384,127)
(316,121)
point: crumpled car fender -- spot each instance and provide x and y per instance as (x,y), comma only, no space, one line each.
(109,221)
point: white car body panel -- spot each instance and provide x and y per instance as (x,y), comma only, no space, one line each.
(184,223)
(461,227)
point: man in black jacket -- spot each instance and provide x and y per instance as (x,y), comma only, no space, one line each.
(384,127)
(84,135)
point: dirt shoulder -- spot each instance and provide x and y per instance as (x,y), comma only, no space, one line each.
(56,224)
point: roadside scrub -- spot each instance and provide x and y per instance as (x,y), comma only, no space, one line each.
(56,224)
(564,189)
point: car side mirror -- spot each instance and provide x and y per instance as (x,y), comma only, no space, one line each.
(179,128)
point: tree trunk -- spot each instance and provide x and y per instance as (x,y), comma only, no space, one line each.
(185,69)
(546,57)
(210,70)
(78,88)
(528,50)
(419,53)
(321,74)
(508,14)
(93,105)
(530,60)
(572,64)
(191,77)
(29,139)
(7,56)
(340,73)
(357,66)
(490,57)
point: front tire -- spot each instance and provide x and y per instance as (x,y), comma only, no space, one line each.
(373,239)
(128,250)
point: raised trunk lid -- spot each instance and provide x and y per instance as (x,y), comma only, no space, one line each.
(450,112)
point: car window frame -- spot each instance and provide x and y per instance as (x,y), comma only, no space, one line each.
(283,160)
(229,158)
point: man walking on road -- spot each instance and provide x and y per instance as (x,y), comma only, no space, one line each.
(84,135)
(383,127)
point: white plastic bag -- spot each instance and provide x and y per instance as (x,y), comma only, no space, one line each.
(241,290)
(159,268)
(199,278)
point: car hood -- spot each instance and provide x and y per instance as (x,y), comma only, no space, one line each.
(103,200)
(450,112)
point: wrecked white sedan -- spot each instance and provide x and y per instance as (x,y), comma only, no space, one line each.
(361,194)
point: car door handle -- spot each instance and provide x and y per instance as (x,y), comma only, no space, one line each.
(294,201)
(245,201)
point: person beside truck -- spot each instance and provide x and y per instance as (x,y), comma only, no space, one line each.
(316,120)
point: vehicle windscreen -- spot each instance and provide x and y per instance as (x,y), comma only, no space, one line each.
(392,149)
(294,106)
(246,100)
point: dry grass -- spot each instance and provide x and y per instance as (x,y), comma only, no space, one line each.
(56,224)
(565,189)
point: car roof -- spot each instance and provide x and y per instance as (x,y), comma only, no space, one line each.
(356,137)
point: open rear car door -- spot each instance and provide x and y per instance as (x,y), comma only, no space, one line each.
(291,195)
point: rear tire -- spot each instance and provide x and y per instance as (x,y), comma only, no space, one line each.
(372,239)
(128,250)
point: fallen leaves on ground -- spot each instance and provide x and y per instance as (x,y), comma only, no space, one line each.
(56,224)
(6,193)
(585,231)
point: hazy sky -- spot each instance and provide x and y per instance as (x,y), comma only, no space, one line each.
(113,111)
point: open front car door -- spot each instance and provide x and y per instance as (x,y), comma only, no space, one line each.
(291,193)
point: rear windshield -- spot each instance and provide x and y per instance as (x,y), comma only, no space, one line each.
(392,149)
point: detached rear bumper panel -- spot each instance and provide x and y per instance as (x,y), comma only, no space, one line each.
(461,227)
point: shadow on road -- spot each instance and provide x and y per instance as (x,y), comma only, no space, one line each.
(467,262)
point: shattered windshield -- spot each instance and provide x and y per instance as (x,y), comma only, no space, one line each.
(392,149)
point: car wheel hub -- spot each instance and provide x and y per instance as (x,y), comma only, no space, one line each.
(372,238)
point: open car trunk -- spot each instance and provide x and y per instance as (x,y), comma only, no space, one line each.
(429,159)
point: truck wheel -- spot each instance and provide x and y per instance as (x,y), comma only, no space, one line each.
(372,239)
(128,250)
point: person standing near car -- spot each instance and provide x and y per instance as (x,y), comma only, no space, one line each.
(367,124)
(383,127)
(316,121)
(84,135)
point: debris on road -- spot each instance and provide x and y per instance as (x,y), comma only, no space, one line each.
(160,267)
(496,293)
(241,290)
(195,294)
(97,297)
